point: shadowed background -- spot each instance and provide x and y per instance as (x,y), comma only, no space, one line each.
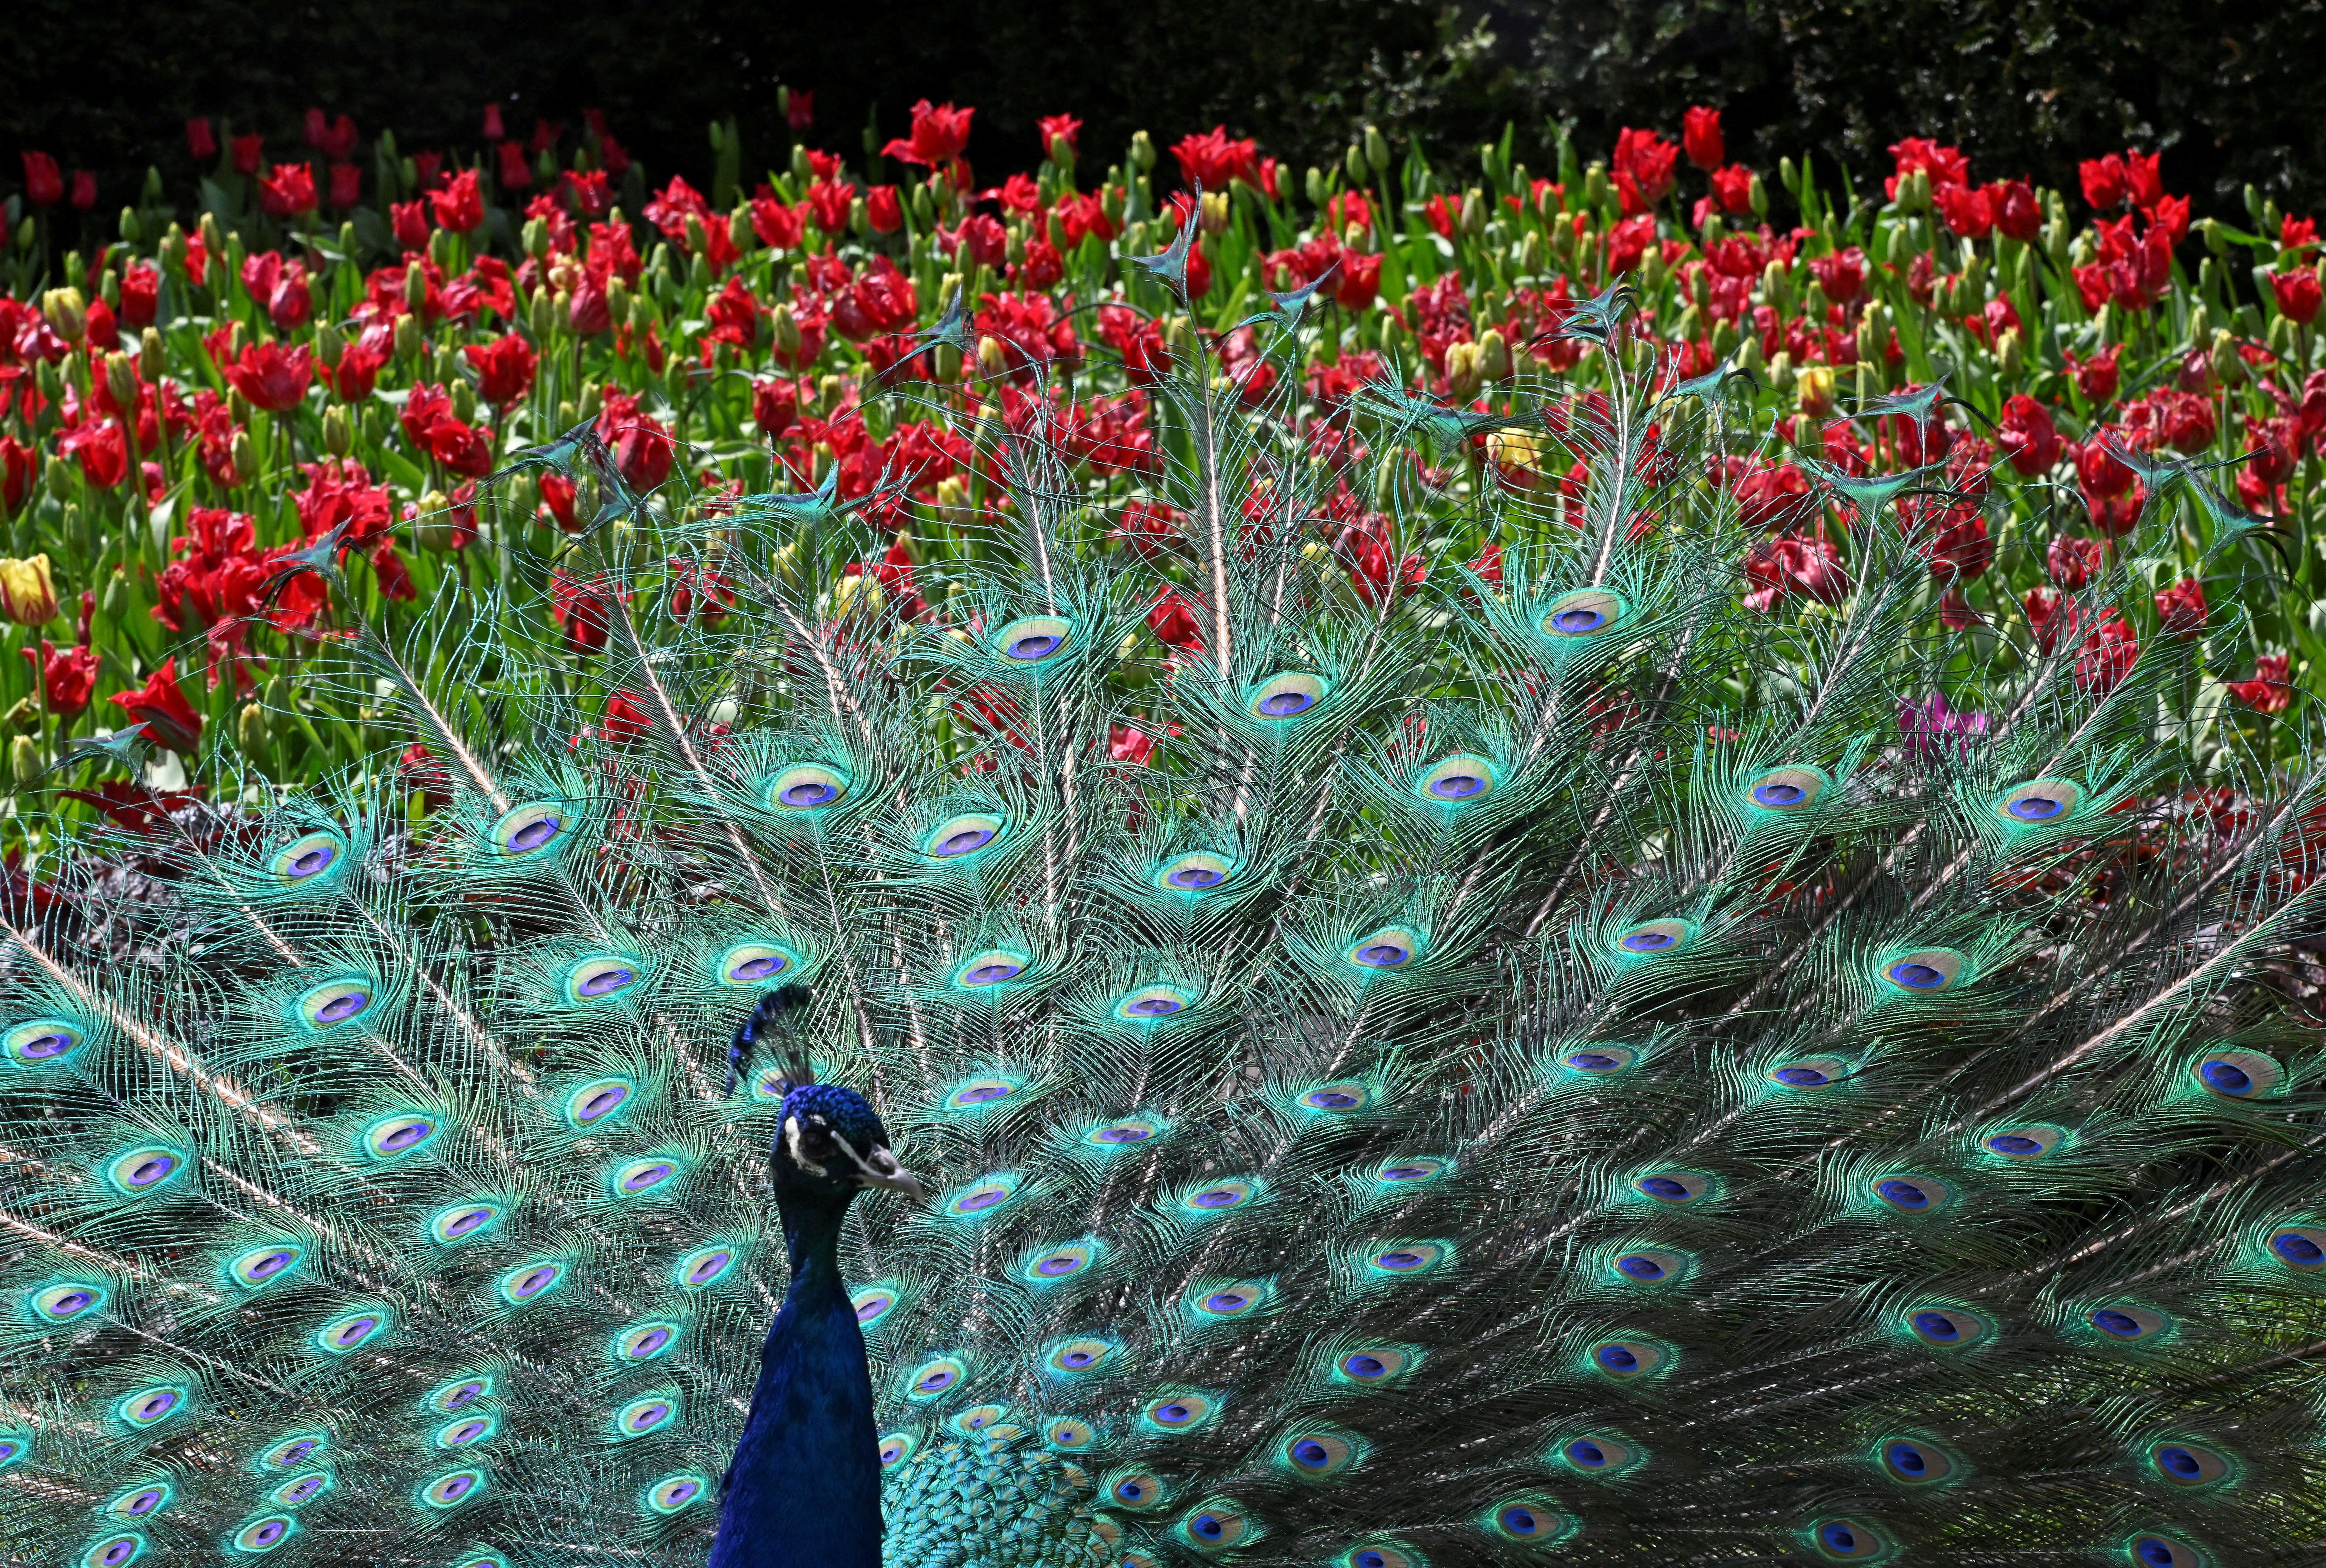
(2226,90)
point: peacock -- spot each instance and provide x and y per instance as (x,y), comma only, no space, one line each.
(1367,1007)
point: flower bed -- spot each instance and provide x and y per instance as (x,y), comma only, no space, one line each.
(335,345)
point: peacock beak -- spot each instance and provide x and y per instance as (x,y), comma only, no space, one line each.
(883,1171)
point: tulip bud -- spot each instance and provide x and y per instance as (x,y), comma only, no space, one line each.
(618,299)
(947,368)
(1464,371)
(407,337)
(250,729)
(1724,338)
(68,314)
(132,230)
(1215,219)
(546,311)
(348,247)
(1776,287)
(1748,356)
(854,593)
(24,761)
(992,357)
(1530,260)
(464,401)
(330,346)
(1474,212)
(1377,149)
(339,431)
(27,232)
(52,384)
(1789,177)
(2010,354)
(1813,390)
(2229,364)
(2201,325)
(1780,372)
(244,453)
(1315,186)
(121,379)
(152,355)
(1921,183)
(738,231)
(1356,164)
(1758,195)
(1595,186)
(28,595)
(2215,239)
(1494,355)
(59,476)
(783,329)
(1142,152)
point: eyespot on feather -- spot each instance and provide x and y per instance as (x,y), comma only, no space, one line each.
(1284,696)
(1583,613)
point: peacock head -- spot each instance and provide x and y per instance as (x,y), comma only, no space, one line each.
(831,1145)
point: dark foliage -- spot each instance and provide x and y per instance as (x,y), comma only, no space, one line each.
(2025,88)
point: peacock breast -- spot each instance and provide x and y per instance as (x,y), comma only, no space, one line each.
(984,1502)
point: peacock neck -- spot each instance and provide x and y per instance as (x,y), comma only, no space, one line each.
(804,1486)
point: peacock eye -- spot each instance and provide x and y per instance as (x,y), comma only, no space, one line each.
(993,967)
(528,830)
(264,1264)
(1152,1004)
(144,1170)
(1393,947)
(2038,801)
(1198,872)
(672,1493)
(754,964)
(63,1301)
(1926,972)
(601,976)
(42,1041)
(306,858)
(2237,1074)
(265,1534)
(1912,1461)
(1030,639)
(1786,789)
(328,1006)
(1286,696)
(962,836)
(1655,938)
(1848,1540)
(1457,779)
(807,786)
(1581,614)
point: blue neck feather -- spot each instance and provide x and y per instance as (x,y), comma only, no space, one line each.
(803,1491)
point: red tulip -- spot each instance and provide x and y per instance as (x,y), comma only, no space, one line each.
(1969,213)
(1173,621)
(1699,132)
(884,209)
(1358,283)
(2071,562)
(2096,377)
(939,136)
(2107,656)
(163,709)
(1643,169)
(504,369)
(511,170)
(201,142)
(271,377)
(1786,567)
(347,185)
(2297,294)
(2028,435)
(43,185)
(67,679)
(1840,275)
(84,190)
(248,152)
(1214,158)
(774,406)
(2103,181)
(409,221)
(2016,211)
(2143,181)
(2182,608)
(461,205)
(799,114)
(2270,690)
(493,130)
(288,192)
(1053,126)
